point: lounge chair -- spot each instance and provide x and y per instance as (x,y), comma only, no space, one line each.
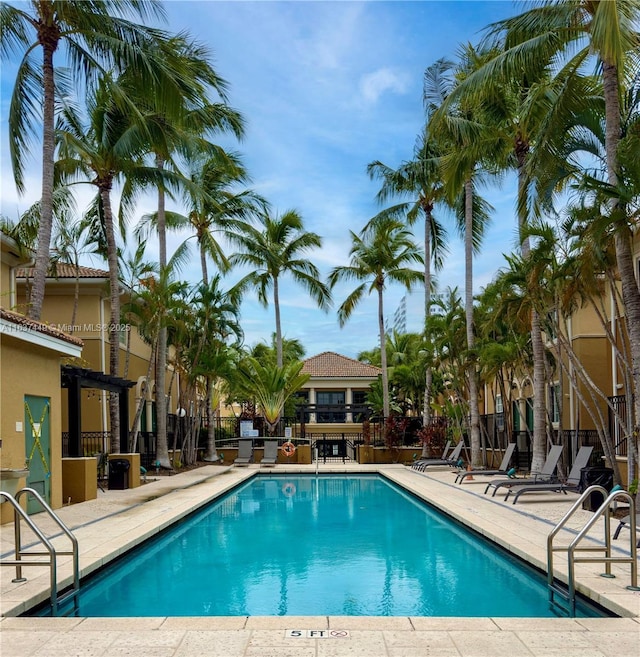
(626,520)
(572,482)
(270,452)
(546,474)
(445,451)
(503,469)
(450,460)
(245,452)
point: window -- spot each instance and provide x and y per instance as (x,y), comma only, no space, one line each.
(554,403)
(328,406)
(359,396)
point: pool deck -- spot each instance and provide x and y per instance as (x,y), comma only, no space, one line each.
(119,520)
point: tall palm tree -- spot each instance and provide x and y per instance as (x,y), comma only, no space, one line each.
(180,123)
(379,256)
(102,151)
(420,180)
(217,322)
(460,130)
(98,37)
(567,35)
(279,246)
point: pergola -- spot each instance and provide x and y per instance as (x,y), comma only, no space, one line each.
(74,379)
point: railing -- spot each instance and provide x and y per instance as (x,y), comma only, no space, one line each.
(330,447)
(569,593)
(19,562)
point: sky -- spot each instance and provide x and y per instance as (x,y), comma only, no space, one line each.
(325,88)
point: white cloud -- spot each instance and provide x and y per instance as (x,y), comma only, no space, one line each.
(373,85)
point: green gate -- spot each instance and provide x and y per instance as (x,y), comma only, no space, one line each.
(37,433)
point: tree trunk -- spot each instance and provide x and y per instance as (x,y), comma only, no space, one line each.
(386,406)
(162,447)
(426,410)
(211,454)
(539,446)
(133,434)
(114,314)
(276,303)
(474,414)
(46,204)
(624,253)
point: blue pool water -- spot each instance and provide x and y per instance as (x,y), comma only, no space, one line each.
(327,545)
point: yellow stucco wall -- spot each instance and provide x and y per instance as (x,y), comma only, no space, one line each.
(27,369)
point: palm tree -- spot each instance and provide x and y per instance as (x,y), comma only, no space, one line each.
(421,181)
(133,271)
(461,133)
(566,35)
(272,386)
(180,123)
(217,315)
(378,257)
(275,248)
(101,152)
(98,38)
(70,242)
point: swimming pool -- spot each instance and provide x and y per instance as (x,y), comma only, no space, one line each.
(305,546)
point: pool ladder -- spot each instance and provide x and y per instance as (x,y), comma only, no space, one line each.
(567,592)
(20,551)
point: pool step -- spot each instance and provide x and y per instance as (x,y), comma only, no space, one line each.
(560,590)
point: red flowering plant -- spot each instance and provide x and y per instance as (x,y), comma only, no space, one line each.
(434,436)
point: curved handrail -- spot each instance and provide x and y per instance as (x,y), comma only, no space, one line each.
(18,562)
(607,559)
(74,541)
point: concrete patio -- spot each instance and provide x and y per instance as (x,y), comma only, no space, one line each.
(119,520)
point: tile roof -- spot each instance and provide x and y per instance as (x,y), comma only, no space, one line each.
(330,364)
(40,327)
(64,270)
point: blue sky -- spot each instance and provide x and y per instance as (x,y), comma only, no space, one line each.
(326,88)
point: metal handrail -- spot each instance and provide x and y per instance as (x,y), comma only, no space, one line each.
(51,552)
(603,510)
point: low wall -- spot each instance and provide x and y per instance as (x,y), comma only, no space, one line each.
(302,455)
(79,479)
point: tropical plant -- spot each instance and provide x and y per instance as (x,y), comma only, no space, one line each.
(272,386)
(379,256)
(98,38)
(420,180)
(278,246)
(566,36)
(71,241)
(459,129)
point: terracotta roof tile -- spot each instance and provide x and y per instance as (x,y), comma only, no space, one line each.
(40,327)
(330,364)
(64,270)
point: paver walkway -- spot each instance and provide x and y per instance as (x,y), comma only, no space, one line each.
(118,520)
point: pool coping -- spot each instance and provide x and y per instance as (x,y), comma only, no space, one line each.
(143,514)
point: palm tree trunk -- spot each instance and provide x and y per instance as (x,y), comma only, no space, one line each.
(211,454)
(46,203)
(426,411)
(162,446)
(203,263)
(76,298)
(474,415)
(386,406)
(539,446)
(135,432)
(114,314)
(624,254)
(276,304)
